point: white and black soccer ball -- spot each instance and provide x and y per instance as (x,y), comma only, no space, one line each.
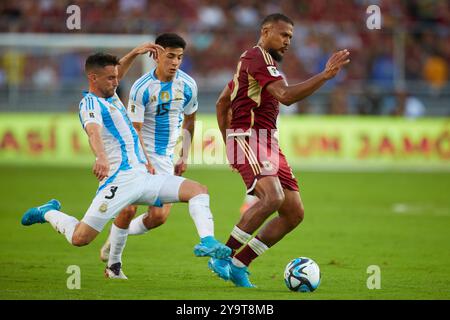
(302,275)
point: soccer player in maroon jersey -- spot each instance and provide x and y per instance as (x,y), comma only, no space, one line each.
(252,145)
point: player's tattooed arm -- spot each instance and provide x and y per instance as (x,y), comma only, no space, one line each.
(187,136)
(287,95)
(138,127)
(223,108)
(125,63)
(101,165)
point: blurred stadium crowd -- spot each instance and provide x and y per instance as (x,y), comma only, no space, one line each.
(218,31)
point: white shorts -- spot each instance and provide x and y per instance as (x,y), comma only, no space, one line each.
(162,164)
(135,186)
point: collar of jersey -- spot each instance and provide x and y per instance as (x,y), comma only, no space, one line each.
(85,93)
(153,74)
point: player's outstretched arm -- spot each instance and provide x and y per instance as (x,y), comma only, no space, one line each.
(101,165)
(290,94)
(223,107)
(127,60)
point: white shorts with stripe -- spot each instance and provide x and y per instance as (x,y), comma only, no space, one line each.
(162,164)
(134,186)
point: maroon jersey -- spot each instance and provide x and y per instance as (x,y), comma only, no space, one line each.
(252,105)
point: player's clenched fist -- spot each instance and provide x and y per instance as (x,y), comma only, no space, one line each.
(335,63)
(101,168)
(180,167)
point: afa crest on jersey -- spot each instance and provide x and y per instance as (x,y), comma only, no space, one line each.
(103,207)
(164,96)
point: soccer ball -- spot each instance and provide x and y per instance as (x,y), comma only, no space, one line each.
(302,274)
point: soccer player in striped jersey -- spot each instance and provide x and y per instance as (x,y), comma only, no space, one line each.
(120,166)
(252,145)
(162,102)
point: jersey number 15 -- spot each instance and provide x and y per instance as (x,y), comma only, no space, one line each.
(162,109)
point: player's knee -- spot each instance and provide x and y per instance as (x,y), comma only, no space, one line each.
(272,202)
(297,217)
(80,240)
(128,213)
(200,189)
(159,218)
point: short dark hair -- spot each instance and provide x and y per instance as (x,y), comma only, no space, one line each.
(100,60)
(170,40)
(275,17)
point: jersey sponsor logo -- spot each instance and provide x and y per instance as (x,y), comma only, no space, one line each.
(273,71)
(164,96)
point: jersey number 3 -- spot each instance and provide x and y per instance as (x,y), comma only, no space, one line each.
(113,193)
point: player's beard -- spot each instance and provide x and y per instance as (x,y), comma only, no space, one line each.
(109,93)
(275,55)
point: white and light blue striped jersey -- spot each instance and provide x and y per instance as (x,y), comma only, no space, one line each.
(161,107)
(120,139)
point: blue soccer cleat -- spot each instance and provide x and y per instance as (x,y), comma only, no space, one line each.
(221,267)
(239,276)
(36,214)
(210,247)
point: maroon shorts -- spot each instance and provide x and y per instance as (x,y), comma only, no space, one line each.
(257,159)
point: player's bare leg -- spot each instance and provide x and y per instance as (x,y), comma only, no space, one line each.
(290,215)
(80,234)
(77,233)
(248,202)
(83,234)
(271,195)
(154,218)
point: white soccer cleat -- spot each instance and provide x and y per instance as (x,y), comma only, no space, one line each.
(115,272)
(104,251)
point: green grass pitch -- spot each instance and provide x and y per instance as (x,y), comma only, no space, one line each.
(397,221)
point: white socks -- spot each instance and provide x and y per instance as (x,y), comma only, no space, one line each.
(201,214)
(62,223)
(118,240)
(241,236)
(257,246)
(237,263)
(137,226)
